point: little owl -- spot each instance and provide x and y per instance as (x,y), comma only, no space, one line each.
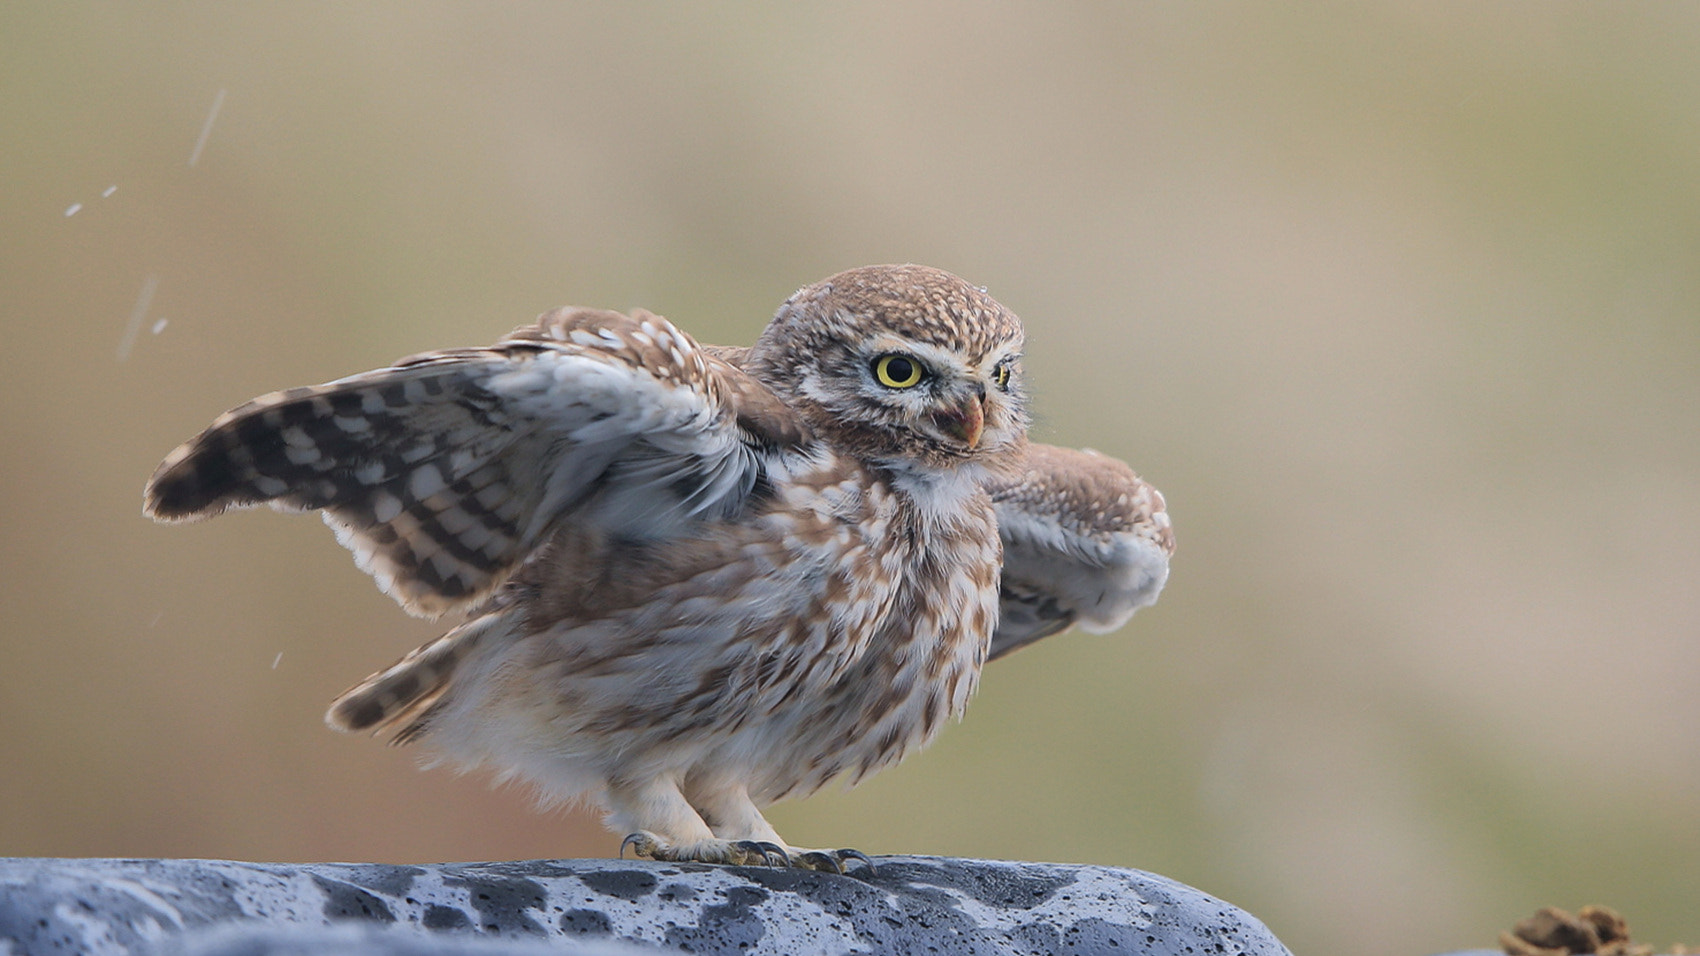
(699,579)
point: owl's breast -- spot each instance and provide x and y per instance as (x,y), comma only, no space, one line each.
(830,631)
(908,651)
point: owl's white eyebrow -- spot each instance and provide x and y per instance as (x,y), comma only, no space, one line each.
(934,357)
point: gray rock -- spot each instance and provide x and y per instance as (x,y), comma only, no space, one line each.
(365,939)
(910,905)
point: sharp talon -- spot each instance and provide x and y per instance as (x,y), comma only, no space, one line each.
(856,855)
(630,840)
(820,861)
(767,850)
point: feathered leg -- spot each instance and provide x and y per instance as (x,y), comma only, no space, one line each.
(664,826)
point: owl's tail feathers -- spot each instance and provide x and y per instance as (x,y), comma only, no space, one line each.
(401,699)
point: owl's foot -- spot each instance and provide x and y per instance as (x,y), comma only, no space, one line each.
(650,846)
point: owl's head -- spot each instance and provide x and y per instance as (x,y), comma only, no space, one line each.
(902,365)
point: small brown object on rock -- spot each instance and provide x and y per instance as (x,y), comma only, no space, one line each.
(1597,930)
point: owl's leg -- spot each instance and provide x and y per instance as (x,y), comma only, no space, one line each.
(663,826)
(734,816)
(730,812)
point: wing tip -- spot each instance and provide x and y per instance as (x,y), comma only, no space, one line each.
(175,495)
(199,479)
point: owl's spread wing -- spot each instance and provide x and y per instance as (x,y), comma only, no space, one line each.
(444,471)
(1085,541)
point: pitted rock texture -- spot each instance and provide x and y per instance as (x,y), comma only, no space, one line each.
(921,905)
(367,939)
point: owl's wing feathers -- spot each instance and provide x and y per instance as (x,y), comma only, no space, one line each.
(444,471)
(1085,541)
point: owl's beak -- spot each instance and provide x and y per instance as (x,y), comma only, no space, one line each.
(963,423)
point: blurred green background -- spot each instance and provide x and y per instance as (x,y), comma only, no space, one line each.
(1400,306)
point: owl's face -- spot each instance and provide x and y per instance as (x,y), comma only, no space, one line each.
(908,366)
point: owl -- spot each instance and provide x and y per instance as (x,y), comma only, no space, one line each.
(694,580)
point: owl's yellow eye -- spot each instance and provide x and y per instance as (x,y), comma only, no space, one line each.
(898,371)
(1000,375)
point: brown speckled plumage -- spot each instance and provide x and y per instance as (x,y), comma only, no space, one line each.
(699,579)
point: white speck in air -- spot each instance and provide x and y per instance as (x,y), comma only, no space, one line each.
(72,209)
(159,326)
(150,285)
(109,191)
(206,128)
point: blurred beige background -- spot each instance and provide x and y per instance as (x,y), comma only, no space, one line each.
(1400,305)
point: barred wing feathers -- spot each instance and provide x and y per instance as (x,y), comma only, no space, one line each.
(1085,541)
(444,471)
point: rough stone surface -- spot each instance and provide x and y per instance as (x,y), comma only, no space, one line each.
(605,907)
